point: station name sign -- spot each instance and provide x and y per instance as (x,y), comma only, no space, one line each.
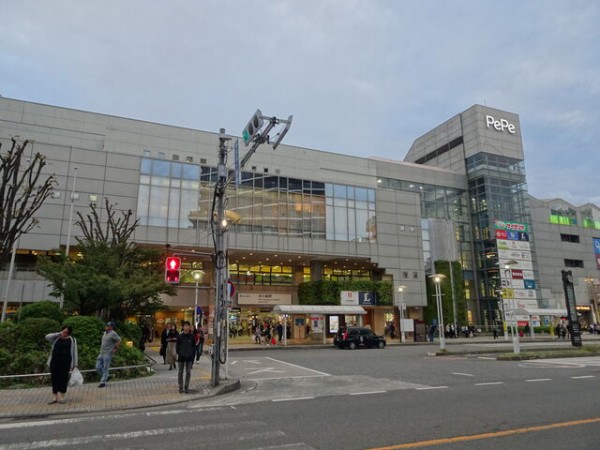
(500,125)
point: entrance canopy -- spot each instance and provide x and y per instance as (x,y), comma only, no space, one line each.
(540,312)
(318,309)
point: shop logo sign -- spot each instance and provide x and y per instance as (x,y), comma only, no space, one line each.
(500,125)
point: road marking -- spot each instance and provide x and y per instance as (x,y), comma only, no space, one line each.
(299,367)
(431,387)
(463,374)
(43,423)
(292,399)
(368,393)
(583,376)
(495,434)
(538,379)
(265,369)
(486,357)
(491,383)
(83,440)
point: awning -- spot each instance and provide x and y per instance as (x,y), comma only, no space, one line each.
(318,309)
(540,312)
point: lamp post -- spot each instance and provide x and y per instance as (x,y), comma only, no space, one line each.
(197,274)
(501,307)
(402,308)
(68,247)
(437,280)
(513,316)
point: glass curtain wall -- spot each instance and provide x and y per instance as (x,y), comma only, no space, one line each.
(497,191)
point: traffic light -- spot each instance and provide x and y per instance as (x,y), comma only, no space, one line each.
(251,130)
(172,270)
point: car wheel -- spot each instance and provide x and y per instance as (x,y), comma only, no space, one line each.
(381,344)
(352,346)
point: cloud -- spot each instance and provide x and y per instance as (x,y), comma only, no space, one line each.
(361,78)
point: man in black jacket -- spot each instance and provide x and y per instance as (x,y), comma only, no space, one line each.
(186,351)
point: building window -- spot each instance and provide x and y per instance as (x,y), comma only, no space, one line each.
(55,194)
(175,157)
(574,263)
(146,153)
(189,159)
(569,238)
(562,216)
(93,198)
(162,155)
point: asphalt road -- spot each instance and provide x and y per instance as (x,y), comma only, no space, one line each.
(330,399)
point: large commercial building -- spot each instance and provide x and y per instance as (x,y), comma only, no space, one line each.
(459,195)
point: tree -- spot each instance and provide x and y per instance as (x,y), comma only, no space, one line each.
(114,277)
(22,193)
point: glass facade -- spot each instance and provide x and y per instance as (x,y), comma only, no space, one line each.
(497,191)
(179,195)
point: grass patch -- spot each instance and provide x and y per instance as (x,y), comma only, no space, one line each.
(589,350)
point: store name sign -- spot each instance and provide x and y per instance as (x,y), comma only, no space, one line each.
(500,125)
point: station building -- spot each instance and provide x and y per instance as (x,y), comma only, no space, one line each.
(460,195)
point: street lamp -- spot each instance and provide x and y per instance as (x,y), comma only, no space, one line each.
(513,322)
(501,307)
(69,228)
(402,308)
(437,280)
(197,274)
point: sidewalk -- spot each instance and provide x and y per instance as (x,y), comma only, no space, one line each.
(162,389)
(156,390)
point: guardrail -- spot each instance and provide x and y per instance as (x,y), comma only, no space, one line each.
(149,364)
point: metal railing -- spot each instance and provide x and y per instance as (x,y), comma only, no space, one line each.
(148,365)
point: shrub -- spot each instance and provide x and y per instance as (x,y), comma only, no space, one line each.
(130,332)
(29,335)
(88,332)
(44,308)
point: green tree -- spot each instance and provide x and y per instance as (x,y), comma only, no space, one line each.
(23,190)
(443,267)
(114,277)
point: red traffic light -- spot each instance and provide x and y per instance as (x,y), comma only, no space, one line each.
(173,263)
(172,267)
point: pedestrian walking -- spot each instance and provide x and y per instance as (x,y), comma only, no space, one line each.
(186,351)
(62,359)
(199,335)
(163,342)
(171,350)
(108,347)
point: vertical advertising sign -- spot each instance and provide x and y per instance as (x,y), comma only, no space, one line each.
(518,283)
(597,252)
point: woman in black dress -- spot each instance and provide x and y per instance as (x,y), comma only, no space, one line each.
(62,359)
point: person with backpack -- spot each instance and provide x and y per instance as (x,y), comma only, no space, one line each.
(186,351)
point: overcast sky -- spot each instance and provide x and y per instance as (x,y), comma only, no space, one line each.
(362,78)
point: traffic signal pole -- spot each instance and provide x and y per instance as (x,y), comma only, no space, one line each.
(220,259)
(255,134)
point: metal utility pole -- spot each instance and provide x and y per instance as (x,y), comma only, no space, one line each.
(254,134)
(219,229)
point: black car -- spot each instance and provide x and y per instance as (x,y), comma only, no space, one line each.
(353,337)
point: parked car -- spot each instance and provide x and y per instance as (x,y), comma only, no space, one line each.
(353,337)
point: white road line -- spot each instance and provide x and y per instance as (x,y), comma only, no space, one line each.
(463,374)
(368,393)
(43,423)
(299,367)
(538,379)
(583,376)
(431,387)
(491,383)
(486,357)
(292,399)
(83,440)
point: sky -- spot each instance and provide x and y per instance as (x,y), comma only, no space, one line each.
(363,78)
